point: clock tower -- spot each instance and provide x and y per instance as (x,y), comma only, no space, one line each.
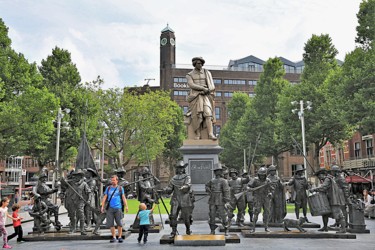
(167,56)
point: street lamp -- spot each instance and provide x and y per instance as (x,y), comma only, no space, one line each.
(300,113)
(102,163)
(60,115)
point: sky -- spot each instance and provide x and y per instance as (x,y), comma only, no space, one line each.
(118,40)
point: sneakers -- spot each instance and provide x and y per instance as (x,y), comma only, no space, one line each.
(112,240)
(120,240)
(7,246)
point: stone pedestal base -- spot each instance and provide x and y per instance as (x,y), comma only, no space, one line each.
(201,155)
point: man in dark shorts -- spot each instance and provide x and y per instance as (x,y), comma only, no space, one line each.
(114,194)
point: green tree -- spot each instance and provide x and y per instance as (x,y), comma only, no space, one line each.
(322,124)
(138,125)
(232,154)
(366,24)
(25,117)
(358,90)
(261,117)
(62,78)
(355,83)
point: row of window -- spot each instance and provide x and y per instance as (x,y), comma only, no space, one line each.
(219,81)
(217,94)
(179,79)
(251,66)
(369,149)
(234,82)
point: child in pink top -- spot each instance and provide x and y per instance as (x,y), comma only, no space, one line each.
(3,214)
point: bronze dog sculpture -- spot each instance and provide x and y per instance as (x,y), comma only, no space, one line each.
(294,223)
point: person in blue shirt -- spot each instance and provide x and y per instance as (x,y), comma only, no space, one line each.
(144,222)
(114,194)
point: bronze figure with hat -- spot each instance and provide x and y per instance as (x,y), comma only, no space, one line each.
(201,112)
(300,186)
(182,199)
(237,184)
(278,200)
(219,199)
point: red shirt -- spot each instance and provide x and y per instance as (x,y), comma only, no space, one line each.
(16,223)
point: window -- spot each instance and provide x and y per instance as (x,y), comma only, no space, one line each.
(218,93)
(228,94)
(289,69)
(251,94)
(369,148)
(179,79)
(232,82)
(299,69)
(217,81)
(217,113)
(357,149)
(180,93)
(252,82)
(296,151)
(328,155)
(217,129)
(184,109)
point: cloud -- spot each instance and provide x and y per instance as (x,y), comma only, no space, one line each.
(119,39)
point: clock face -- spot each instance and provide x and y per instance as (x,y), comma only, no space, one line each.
(163,41)
(172,41)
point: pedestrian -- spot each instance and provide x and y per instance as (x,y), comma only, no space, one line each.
(144,221)
(17,224)
(16,197)
(112,201)
(3,214)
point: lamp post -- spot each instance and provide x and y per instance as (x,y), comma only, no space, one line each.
(300,113)
(102,163)
(60,115)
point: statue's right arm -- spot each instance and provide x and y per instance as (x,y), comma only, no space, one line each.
(208,187)
(291,182)
(325,186)
(194,86)
(168,189)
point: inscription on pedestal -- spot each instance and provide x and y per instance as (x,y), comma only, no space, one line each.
(200,171)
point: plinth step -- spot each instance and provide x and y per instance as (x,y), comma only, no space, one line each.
(297,234)
(237,229)
(155,229)
(60,236)
(201,239)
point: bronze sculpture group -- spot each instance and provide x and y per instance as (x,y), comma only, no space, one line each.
(228,190)
(79,191)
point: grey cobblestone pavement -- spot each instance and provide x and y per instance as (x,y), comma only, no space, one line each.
(363,241)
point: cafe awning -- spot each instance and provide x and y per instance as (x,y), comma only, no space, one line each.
(357,179)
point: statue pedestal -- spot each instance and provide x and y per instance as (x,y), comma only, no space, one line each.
(201,155)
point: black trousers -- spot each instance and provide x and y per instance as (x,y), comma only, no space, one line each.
(17,232)
(143,231)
